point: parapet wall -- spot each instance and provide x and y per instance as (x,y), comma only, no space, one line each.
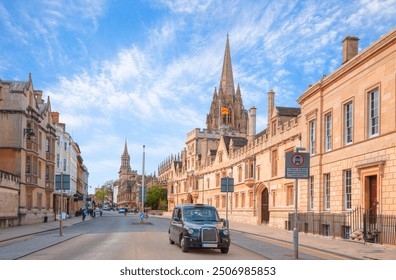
(9,196)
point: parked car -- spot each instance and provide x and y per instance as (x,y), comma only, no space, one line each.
(106,207)
(122,210)
(98,211)
(198,226)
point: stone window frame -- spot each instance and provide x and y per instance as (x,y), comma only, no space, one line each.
(368,92)
(328,137)
(345,133)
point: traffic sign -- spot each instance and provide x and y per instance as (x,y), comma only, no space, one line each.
(227,184)
(62,181)
(297,165)
(140,193)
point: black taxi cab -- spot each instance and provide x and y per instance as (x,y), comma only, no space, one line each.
(198,226)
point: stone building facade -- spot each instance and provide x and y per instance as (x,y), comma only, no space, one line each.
(27,150)
(34,147)
(128,182)
(351,114)
(69,162)
(346,121)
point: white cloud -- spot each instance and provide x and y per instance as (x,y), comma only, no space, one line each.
(373,13)
(84,121)
(157,81)
(102,140)
(187,6)
(11,27)
(130,64)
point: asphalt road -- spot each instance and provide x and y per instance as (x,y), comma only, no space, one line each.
(118,237)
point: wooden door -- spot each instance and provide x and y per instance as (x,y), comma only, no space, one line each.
(264,206)
(373,200)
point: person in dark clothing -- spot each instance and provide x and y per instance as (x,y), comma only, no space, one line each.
(83,214)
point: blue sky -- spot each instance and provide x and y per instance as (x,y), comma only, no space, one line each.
(145,71)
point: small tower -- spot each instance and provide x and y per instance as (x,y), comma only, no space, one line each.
(128,181)
(125,161)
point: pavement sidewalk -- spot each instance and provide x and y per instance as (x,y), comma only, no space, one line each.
(349,249)
(10,233)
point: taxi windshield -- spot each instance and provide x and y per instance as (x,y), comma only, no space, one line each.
(200,214)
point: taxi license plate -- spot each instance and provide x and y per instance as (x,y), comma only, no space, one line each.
(209,245)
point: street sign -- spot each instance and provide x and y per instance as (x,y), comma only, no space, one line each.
(140,194)
(227,184)
(77,197)
(297,165)
(65,184)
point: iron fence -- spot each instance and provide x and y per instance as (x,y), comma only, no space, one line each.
(357,224)
(379,228)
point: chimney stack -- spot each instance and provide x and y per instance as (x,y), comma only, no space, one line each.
(271,105)
(252,123)
(350,48)
(55,117)
(39,96)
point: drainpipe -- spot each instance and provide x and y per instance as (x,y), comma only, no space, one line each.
(254,187)
(19,206)
(320,115)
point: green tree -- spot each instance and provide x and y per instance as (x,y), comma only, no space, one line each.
(109,189)
(100,195)
(156,196)
(105,194)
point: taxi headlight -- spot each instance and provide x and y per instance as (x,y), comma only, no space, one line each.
(190,231)
(226,231)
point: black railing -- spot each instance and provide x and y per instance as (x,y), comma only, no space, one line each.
(357,224)
(320,223)
(379,228)
(355,219)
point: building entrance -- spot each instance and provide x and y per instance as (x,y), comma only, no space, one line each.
(264,207)
(371,200)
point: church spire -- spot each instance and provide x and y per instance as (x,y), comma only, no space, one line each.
(125,160)
(227,111)
(227,78)
(125,153)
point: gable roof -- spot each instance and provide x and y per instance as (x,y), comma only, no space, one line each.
(288,111)
(237,142)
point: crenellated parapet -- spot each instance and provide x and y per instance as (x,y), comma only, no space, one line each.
(265,140)
(9,181)
(198,133)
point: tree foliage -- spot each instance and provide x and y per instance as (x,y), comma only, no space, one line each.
(100,194)
(156,197)
(106,191)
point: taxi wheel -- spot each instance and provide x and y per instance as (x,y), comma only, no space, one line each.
(224,250)
(170,240)
(183,246)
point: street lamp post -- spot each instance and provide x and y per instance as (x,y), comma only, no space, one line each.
(143,179)
(61,208)
(177,192)
(295,229)
(203,189)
